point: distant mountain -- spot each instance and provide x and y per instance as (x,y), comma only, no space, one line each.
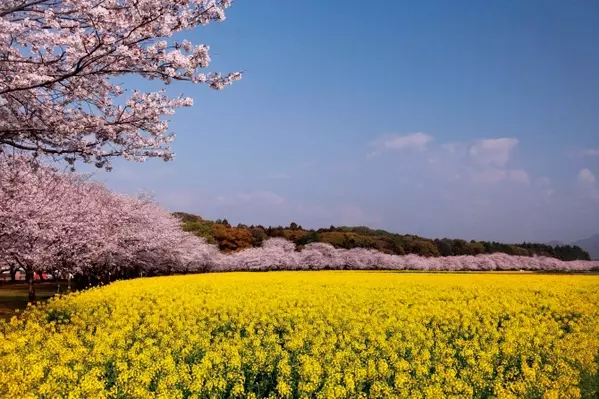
(591,245)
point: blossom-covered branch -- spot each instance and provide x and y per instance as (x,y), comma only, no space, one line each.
(59,60)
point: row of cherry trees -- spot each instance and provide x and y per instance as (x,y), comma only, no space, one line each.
(61,97)
(280,254)
(66,224)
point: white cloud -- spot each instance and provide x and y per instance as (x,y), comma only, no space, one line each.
(544,185)
(519,176)
(587,177)
(543,182)
(482,162)
(491,175)
(592,152)
(588,182)
(488,176)
(452,148)
(485,162)
(396,142)
(494,152)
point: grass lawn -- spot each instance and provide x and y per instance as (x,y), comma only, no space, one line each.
(14,295)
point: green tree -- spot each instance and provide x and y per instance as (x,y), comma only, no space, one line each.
(423,248)
(444,247)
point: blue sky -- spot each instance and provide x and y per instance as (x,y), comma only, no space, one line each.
(464,119)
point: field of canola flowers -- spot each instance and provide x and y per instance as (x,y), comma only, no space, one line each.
(311,335)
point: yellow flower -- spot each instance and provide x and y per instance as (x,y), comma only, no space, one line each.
(310,334)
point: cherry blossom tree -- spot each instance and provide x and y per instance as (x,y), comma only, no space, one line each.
(318,255)
(30,215)
(59,65)
(275,254)
(64,223)
(279,254)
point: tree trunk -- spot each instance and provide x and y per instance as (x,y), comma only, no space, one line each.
(69,282)
(30,279)
(13,274)
(56,278)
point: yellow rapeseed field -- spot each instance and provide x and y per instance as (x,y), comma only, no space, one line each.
(311,335)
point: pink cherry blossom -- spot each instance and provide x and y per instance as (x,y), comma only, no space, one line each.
(64,223)
(60,61)
(278,254)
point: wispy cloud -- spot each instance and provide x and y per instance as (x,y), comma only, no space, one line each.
(452,148)
(484,161)
(591,152)
(588,182)
(585,176)
(493,175)
(496,152)
(543,184)
(519,176)
(397,142)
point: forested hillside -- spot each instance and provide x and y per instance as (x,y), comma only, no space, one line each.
(591,245)
(235,238)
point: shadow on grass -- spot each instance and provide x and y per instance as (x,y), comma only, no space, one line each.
(14,295)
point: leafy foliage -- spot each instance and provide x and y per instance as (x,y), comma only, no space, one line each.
(231,239)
